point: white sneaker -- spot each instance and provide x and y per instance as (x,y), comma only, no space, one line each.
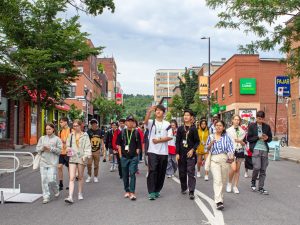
(246,175)
(206,177)
(88,179)
(69,200)
(112,168)
(96,179)
(236,190)
(228,188)
(198,174)
(80,196)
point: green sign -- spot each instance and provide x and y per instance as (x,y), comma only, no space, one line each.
(222,107)
(215,109)
(247,86)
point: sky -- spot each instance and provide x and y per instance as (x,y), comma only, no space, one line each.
(144,36)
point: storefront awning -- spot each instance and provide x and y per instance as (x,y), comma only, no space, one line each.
(63,107)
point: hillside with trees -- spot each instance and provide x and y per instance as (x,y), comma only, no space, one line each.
(137,105)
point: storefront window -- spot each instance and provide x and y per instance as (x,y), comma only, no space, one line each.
(227,116)
(3,118)
(33,120)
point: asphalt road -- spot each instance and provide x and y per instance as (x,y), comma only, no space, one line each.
(104,203)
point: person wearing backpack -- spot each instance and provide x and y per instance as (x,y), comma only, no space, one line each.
(159,135)
(129,146)
(63,158)
(187,142)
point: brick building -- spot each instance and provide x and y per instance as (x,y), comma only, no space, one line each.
(294,106)
(110,69)
(246,84)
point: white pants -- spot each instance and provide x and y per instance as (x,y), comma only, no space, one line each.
(219,169)
(48,176)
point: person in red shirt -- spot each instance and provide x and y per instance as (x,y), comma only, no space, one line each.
(115,146)
(172,164)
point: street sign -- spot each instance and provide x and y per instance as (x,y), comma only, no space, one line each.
(283,86)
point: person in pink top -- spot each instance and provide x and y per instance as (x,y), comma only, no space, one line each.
(172,164)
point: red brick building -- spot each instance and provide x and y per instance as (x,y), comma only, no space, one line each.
(244,85)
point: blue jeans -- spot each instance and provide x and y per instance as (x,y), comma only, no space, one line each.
(129,168)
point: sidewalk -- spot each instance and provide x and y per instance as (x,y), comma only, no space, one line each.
(6,163)
(290,153)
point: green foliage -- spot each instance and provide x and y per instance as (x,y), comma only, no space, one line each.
(108,109)
(177,106)
(93,7)
(168,116)
(188,87)
(137,105)
(100,68)
(38,48)
(261,18)
(75,113)
(199,107)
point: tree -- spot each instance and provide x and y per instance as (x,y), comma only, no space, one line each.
(75,113)
(199,107)
(188,87)
(137,105)
(177,106)
(168,116)
(38,48)
(261,18)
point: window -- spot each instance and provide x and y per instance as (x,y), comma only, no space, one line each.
(294,108)
(216,95)
(212,96)
(230,88)
(4,118)
(80,69)
(223,92)
(72,91)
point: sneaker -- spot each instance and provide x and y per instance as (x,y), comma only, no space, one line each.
(157,194)
(46,200)
(198,174)
(206,177)
(184,192)
(96,179)
(253,185)
(263,191)
(228,187)
(127,195)
(69,200)
(147,174)
(132,197)
(235,190)
(220,206)
(80,196)
(88,179)
(152,196)
(246,175)
(104,160)
(169,176)
(191,195)
(112,168)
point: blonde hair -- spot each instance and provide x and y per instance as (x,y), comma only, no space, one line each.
(232,118)
(79,122)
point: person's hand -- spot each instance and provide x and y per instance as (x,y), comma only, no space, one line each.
(265,137)
(190,153)
(152,109)
(84,158)
(211,144)
(46,149)
(238,141)
(177,157)
(155,141)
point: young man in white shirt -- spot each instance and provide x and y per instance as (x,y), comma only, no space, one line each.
(159,135)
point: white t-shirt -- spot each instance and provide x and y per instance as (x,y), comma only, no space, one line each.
(159,130)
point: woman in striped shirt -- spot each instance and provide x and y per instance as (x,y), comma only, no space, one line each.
(221,148)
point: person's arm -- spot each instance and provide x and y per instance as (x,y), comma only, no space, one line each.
(139,142)
(196,139)
(148,114)
(119,144)
(269,134)
(252,137)
(57,149)
(87,148)
(40,145)
(178,140)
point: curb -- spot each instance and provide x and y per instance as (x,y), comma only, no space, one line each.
(290,159)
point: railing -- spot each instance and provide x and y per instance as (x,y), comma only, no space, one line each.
(15,168)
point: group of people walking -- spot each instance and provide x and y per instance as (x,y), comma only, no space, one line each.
(166,148)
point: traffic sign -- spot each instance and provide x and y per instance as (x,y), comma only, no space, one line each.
(283,86)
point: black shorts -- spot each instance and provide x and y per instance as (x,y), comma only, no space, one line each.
(239,154)
(64,159)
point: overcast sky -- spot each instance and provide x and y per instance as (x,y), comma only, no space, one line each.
(144,36)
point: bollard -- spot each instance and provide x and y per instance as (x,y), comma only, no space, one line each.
(2,198)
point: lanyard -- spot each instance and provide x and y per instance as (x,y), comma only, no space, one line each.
(186,132)
(159,128)
(129,140)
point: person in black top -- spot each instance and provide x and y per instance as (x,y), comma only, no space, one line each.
(129,145)
(187,141)
(96,138)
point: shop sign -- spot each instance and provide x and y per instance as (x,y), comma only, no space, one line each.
(283,86)
(215,109)
(203,87)
(223,108)
(247,86)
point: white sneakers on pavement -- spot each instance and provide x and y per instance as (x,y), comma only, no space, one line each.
(206,177)
(198,174)
(228,187)
(80,196)
(235,190)
(96,179)
(246,175)
(88,179)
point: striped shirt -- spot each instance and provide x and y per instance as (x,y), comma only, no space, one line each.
(222,146)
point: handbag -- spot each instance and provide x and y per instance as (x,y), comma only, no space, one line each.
(37,158)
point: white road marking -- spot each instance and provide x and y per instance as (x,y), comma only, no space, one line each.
(214,218)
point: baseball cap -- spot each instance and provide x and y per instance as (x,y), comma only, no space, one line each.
(93,121)
(130,118)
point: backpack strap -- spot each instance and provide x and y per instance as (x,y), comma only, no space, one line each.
(71,140)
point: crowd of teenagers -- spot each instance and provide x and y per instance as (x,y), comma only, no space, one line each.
(162,146)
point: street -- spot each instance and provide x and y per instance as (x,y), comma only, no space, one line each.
(104,202)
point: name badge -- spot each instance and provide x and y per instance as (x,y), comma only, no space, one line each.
(126,147)
(184,142)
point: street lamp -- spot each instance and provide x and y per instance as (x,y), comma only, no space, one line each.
(86,91)
(208,96)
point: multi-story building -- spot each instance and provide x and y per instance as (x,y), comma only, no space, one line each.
(294,106)
(165,82)
(110,69)
(246,84)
